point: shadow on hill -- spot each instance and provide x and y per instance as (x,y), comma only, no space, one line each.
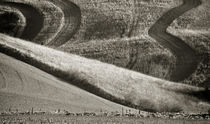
(202,95)
(34,19)
(8,23)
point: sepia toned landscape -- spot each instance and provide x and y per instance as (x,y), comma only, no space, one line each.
(110,61)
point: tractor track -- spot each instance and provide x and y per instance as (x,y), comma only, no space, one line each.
(21,79)
(2,80)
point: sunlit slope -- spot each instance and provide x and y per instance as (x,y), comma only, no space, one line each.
(108,81)
(23,86)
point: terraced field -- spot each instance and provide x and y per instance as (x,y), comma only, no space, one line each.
(62,28)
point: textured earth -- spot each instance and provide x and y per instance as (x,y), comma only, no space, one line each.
(53,79)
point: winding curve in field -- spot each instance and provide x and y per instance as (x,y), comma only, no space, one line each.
(187,60)
(72,22)
(33,23)
(186,57)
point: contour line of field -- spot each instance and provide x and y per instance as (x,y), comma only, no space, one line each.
(3,81)
(72,20)
(187,59)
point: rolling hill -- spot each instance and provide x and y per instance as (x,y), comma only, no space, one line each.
(24,87)
(98,30)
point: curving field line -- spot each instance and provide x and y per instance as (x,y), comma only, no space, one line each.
(34,20)
(72,21)
(187,60)
(186,56)
(72,17)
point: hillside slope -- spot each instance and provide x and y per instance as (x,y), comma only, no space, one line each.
(113,83)
(24,87)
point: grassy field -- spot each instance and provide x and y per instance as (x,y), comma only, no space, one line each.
(118,35)
(138,54)
(113,32)
(193,27)
(139,13)
(124,23)
(23,87)
(116,25)
(132,56)
(133,51)
(200,42)
(109,81)
(94,120)
(102,20)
